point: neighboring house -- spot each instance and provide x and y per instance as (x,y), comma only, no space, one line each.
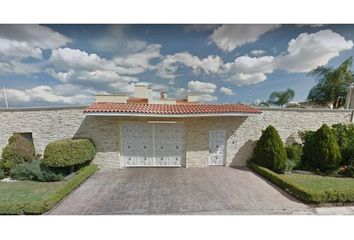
(169,133)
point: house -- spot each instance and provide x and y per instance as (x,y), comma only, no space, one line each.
(168,133)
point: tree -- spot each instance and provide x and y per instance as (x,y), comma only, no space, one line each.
(321,150)
(269,151)
(332,84)
(281,98)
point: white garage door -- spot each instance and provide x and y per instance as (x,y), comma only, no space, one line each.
(152,144)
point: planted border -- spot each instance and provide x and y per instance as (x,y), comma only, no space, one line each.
(45,205)
(302,193)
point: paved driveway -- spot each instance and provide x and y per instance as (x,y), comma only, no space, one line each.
(212,190)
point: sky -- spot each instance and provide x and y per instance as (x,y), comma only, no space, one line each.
(51,65)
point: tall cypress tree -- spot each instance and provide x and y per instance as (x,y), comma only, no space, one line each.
(269,151)
(321,150)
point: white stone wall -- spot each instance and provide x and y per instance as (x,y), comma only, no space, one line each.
(48,125)
(287,121)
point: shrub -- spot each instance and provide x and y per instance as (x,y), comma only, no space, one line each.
(269,151)
(33,171)
(290,165)
(321,151)
(7,165)
(345,139)
(294,154)
(18,150)
(303,193)
(68,153)
(2,174)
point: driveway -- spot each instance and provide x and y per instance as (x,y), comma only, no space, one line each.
(212,190)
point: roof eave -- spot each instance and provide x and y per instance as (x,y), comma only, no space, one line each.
(171,115)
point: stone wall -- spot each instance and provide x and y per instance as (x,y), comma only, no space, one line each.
(287,121)
(57,123)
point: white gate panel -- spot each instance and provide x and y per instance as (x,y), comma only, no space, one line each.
(137,144)
(169,144)
(145,144)
(217,147)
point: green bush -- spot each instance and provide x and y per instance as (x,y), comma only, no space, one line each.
(35,172)
(294,154)
(345,139)
(290,165)
(43,206)
(7,165)
(68,153)
(302,193)
(18,150)
(269,151)
(2,174)
(321,151)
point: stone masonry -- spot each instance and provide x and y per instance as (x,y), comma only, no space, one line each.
(49,124)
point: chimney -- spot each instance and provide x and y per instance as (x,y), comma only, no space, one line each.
(192,98)
(163,95)
(143,91)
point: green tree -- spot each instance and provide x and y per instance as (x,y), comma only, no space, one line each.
(281,98)
(321,150)
(269,151)
(332,84)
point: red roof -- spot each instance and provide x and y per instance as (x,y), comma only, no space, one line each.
(175,109)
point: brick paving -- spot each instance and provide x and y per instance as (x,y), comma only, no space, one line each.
(212,190)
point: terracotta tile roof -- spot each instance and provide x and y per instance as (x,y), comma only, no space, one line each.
(176,109)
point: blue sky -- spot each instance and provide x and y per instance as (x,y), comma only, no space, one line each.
(46,65)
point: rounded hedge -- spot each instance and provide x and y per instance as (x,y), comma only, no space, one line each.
(321,151)
(68,153)
(270,152)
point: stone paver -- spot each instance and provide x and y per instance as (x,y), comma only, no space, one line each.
(212,190)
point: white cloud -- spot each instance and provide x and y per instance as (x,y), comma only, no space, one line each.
(17,67)
(169,66)
(304,53)
(206,98)
(308,51)
(36,35)
(241,79)
(22,41)
(257,52)
(73,65)
(227,91)
(201,87)
(229,37)
(138,62)
(59,94)
(68,58)
(250,65)
(18,42)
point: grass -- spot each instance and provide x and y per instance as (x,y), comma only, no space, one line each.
(28,197)
(320,183)
(311,188)
(27,191)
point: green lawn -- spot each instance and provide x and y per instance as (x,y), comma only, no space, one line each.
(28,197)
(27,191)
(319,183)
(311,188)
